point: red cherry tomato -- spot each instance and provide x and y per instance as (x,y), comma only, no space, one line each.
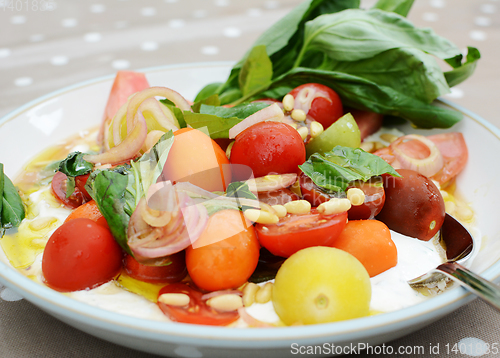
(80,254)
(197,311)
(368,122)
(413,205)
(226,252)
(319,102)
(374,199)
(311,192)
(58,185)
(277,197)
(268,147)
(174,269)
(80,182)
(296,232)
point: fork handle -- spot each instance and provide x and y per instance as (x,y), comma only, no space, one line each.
(485,289)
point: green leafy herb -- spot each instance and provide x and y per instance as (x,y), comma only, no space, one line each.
(461,71)
(177,112)
(401,7)
(256,72)
(240,189)
(336,169)
(11,207)
(74,165)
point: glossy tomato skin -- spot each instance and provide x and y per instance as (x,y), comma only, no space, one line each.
(197,311)
(311,192)
(174,269)
(80,254)
(413,205)
(226,254)
(368,122)
(296,232)
(374,199)
(80,182)
(277,197)
(325,104)
(268,147)
(455,155)
(58,187)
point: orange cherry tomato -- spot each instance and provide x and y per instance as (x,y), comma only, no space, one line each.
(226,254)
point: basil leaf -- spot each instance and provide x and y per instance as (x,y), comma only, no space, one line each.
(110,191)
(219,120)
(240,189)
(207,91)
(355,34)
(212,100)
(256,72)
(74,165)
(401,7)
(12,208)
(462,71)
(337,168)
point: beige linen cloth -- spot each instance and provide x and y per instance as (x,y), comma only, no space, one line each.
(47,45)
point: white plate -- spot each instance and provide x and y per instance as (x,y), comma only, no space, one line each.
(45,121)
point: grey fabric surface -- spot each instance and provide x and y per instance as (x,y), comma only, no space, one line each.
(72,41)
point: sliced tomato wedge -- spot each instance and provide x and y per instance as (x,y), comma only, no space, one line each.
(295,232)
(173,271)
(59,189)
(197,311)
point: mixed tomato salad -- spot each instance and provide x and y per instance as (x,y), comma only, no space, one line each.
(280,188)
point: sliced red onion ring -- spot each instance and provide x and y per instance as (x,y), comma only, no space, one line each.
(427,166)
(271,182)
(210,295)
(306,96)
(127,149)
(251,321)
(272,113)
(161,113)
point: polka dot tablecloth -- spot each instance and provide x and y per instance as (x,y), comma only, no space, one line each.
(47,45)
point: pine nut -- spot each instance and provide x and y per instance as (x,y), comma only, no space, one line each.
(445,194)
(334,206)
(42,223)
(356,196)
(288,102)
(463,212)
(450,207)
(298,207)
(261,216)
(316,129)
(249,292)
(303,131)
(378,145)
(292,124)
(298,115)
(264,294)
(367,146)
(388,137)
(280,210)
(225,303)
(174,299)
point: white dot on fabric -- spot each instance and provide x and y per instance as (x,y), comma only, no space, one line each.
(97,8)
(92,37)
(438,3)
(200,14)
(148,11)
(9,295)
(176,23)
(69,22)
(232,32)
(482,21)
(37,38)
(455,93)
(255,12)
(478,35)
(5,52)
(120,64)
(149,46)
(59,60)
(221,3)
(210,50)
(473,346)
(430,16)
(188,352)
(23,81)
(18,19)
(271,5)
(488,8)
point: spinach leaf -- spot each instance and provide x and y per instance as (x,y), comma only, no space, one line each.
(11,207)
(355,34)
(256,72)
(342,165)
(401,7)
(74,165)
(461,71)
(219,120)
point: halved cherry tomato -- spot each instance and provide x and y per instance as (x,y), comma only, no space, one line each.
(277,197)
(90,211)
(59,189)
(319,102)
(197,311)
(80,182)
(268,147)
(174,269)
(413,205)
(80,254)
(374,199)
(295,232)
(225,254)
(311,192)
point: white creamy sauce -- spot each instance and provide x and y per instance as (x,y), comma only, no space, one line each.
(390,290)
